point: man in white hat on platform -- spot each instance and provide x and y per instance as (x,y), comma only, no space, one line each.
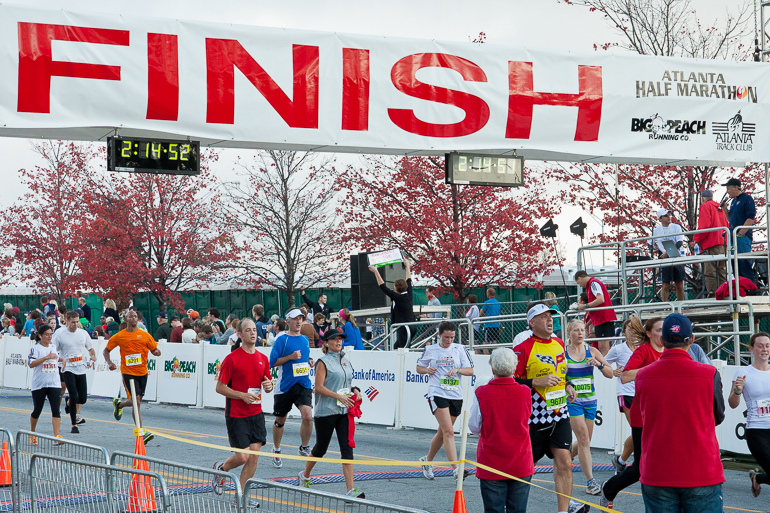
(667,230)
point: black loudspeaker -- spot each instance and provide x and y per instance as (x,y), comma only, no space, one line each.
(365,293)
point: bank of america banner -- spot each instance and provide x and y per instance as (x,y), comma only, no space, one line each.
(85,76)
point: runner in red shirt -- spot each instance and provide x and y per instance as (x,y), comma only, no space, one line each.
(244,374)
(648,352)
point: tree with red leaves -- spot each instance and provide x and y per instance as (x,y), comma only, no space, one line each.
(41,228)
(155,233)
(460,236)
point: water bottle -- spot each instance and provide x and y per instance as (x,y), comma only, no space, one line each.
(697,249)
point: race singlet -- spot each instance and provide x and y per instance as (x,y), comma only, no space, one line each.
(555,399)
(257,392)
(300,369)
(133,359)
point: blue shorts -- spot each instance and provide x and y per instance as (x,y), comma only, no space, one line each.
(582,410)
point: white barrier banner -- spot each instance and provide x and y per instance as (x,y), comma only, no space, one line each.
(733,429)
(2,352)
(106,383)
(178,373)
(214,355)
(68,75)
(16,373)
(376,374)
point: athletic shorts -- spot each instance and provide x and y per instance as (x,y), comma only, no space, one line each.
(625,401)
(455,405)
(582,410)
(244,431)
(491,334)
(140,384)
(672,273)
(297,396)
(605,330)
(544,437)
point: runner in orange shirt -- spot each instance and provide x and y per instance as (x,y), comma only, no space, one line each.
(134,345)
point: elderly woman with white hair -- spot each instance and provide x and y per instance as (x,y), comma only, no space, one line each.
(500,415)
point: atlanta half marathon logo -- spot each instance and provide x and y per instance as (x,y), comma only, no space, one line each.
(179,369)
(734,134)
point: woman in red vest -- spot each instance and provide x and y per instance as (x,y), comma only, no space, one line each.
(500,415)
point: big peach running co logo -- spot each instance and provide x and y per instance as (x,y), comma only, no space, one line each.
(659,129)
(735,134)
(179,369)
(214,369)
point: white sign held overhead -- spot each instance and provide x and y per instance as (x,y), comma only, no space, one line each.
(387,257)
(70,75)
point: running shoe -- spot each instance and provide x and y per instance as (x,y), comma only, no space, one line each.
(79,420)
(67,404)
(466,473)
(304,450)
(592,487)
(32,440)
(304,482)
(605,502)
(277,461)
(253,504)
(427,470)
(59,441)
(756,488)
(356,493)
(578,507)
(117,411)
(619,467)
(148,437)
(218,482)
(74,429)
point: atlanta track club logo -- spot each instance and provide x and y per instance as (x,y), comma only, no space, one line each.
(371,393)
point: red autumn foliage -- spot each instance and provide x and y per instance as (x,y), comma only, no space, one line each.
(460,236)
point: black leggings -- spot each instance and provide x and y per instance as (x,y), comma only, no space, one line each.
(38,401)
(630,475)
(758,441)
(324,428)
(77,387)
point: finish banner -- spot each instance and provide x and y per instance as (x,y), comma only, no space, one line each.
(83,76)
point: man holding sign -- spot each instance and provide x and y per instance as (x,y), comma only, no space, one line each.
(134,345)
(291,356)
(244,374)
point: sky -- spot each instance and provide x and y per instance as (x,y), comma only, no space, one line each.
(529,23)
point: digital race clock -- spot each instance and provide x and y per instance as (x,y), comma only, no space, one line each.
(478,169)
(156,156)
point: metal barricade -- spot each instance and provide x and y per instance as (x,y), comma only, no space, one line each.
(59,484)
(190,487)
(29,443)
(282,498)
(9,495)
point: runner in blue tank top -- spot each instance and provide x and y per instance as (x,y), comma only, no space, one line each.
(582,411)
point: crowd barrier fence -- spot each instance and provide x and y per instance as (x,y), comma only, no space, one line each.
(189,486)
(283,498)
(93,487)
(9,495)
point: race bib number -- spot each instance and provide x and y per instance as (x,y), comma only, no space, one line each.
(75,361)
(257,392)
(763,407)
(300,369)
(133,359)
(344,391)
(555,399)
(449,383)
(582,385)
(50,366)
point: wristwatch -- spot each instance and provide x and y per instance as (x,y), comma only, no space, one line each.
(601,365)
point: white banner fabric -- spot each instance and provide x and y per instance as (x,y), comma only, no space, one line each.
(72,75)
(106,383)
(178,366)
(214,355)
(17,373)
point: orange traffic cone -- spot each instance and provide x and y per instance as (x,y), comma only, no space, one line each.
(5,466)
(141,496)
(459,505)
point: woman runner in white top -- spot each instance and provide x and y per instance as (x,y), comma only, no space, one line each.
(753,383)
(43,360)
(444,362)
(619,354)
